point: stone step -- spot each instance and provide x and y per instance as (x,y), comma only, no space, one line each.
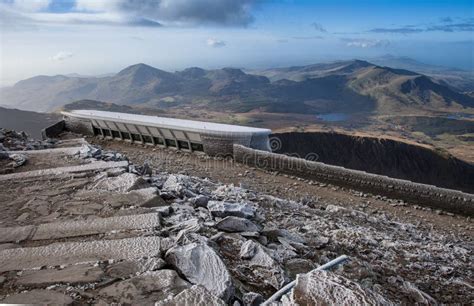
(96,226)
(62,151)
(57,230)
(78,252)
(100,165)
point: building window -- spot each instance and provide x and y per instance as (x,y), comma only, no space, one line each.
(106,133)
(96,131)
(197,146)
(183,144)
(158,140)
(170,143)
(147,139)
(136,137)
(115,134)
(126,135)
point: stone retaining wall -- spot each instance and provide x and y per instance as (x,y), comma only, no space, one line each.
(80,126)
(54,130)
(427,195)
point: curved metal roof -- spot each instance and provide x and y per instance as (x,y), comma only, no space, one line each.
(169,123)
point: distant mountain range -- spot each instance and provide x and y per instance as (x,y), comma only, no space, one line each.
(461,80)
(344,86)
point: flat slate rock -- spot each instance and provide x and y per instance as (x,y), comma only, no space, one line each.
(39,297)
(235,224)
(78,252)
(223,209)
(84,273)
(99,165)
(12,234)
(144,289)
(96,226)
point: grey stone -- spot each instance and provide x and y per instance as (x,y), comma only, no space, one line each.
(128,268)
(123,183)
(252,299)
(145,289)
(18,159)
(264,266)
(201,265)
(200,201)
(224,209)
(72,274)
(296,266)
(176,184)
(248,250)
(236,224)
(12,234)
(39,297)
(194,296)
(78,252)
(327,288)
(164,211)
(5,246)
(146,197)
(95,166)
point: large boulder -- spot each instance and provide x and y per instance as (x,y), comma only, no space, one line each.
(224,209)
(200,264)
(328,288)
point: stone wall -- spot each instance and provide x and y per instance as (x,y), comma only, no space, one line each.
(80,126)
(54,130)
(427,195)
(222,145)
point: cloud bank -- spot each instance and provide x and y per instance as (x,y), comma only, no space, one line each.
(365,43)
(151,13)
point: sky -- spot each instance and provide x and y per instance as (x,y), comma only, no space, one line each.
(95,37)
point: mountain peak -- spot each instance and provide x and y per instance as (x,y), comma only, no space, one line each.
(139,68)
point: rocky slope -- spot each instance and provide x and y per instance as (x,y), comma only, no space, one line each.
(344,86)
(381,156)
(121,233)
(30,122)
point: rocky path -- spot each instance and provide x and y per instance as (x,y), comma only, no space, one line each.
(185,234)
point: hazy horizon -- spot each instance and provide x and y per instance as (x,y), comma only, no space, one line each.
(50,37)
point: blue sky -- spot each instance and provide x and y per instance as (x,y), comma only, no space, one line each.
(102,36)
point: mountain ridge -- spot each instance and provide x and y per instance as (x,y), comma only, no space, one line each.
(346,86)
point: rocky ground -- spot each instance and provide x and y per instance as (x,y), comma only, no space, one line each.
(133,225)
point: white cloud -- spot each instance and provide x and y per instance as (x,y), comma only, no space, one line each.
(365,43)
(215,43)
(97,5)
(61,56)
(31,5)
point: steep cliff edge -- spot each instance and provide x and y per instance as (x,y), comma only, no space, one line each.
(380,156)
